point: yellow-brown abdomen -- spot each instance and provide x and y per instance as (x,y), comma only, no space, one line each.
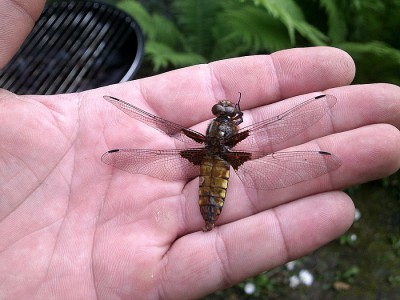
(214,176)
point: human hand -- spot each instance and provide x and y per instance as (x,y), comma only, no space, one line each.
(72,227)
(16,21)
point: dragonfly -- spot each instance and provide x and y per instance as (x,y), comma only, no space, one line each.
(226,146)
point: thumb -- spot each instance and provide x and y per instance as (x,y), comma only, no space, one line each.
(17,18)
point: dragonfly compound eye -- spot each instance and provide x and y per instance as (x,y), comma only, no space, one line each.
(218,109)
(223,107)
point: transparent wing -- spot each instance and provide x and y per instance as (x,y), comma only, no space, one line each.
(166,165)
(282,169)
(262,135)
(171,129)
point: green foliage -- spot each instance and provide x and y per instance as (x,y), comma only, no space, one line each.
(377,61)
(165,44)
(348,275)
(204,30)
(162,55)
(347,239)
(187,32)
(337,27)
(291,15)
(366,30)
(240,32)
(394,280)
(196,18)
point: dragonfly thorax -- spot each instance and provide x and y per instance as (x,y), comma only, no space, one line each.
(218,131)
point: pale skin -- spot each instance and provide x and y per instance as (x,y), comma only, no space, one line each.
(74,228)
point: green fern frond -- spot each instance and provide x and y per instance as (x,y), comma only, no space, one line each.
(375,61)
(155,27)
(167,32)
(247,30)
(290,14)
(139,13)
(337,28)
(375,48)
(287,11)
(163,56)
(196,18)
(312,34)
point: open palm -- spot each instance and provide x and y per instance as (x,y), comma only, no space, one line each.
(72,227)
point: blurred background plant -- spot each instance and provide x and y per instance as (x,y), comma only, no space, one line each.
(186,32)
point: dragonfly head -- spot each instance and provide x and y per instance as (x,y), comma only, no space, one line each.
(225,108)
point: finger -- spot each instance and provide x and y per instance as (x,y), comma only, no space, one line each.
(252,245)
(261,79)
(360,105)
(357,105)
(366,154)
(17,18)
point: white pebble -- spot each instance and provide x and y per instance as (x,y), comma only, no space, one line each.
(294,281)
(290,265)
(357,215)
(249,288)
(353,237)
(306,277)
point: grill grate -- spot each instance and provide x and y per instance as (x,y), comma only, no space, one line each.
(75,46)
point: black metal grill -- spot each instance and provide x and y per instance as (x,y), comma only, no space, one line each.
(75,46)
